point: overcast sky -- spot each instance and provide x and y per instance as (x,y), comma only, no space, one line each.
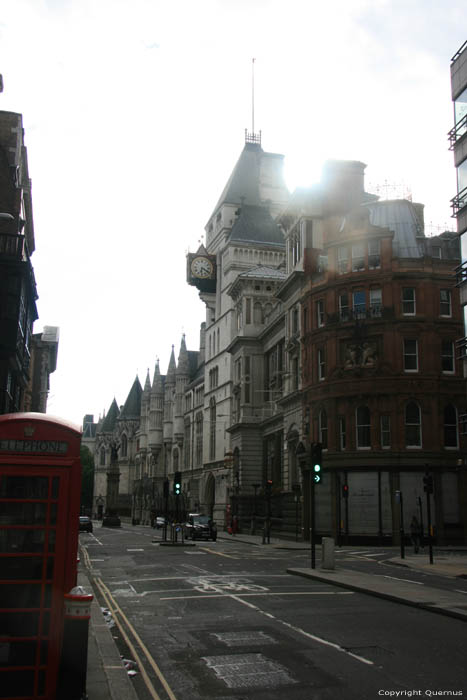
(134,114)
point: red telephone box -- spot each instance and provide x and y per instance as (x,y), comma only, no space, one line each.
(40,488)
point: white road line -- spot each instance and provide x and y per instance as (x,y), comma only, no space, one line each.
(135,550)
(256,593)
(406,580)
(325,642)
(458,590)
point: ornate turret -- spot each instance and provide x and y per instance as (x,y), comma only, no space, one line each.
(182,377)
(144,422)
(169,398)
(156,412)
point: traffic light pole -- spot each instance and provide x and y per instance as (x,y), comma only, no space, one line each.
(312,519)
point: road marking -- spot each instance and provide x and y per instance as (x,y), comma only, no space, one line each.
(116,609)
(320,640)
(221,554)
(406,580)
(97,560)
(458,590)
(135,550)
(249,595)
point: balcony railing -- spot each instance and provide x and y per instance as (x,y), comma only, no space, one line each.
(457,131)
(459,201)
(11,246)
(461,274)
(461,349)
(358,314)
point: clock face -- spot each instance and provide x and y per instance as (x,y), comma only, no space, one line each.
(202,267)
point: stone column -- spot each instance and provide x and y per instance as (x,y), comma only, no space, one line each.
(111,518)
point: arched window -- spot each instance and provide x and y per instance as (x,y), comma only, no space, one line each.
(451,438)
(175,460)
(124,447)
(212,429)
(323,428)
(102,457)
(199,439)
(363,424)
(413,425)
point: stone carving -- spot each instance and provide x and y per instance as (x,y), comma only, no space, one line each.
(360,355)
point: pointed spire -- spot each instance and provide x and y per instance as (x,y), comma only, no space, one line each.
(132,407)
(108,424)
(157,380)
(183,365)
(172,368)
(147,385)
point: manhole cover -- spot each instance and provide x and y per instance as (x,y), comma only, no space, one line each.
(248,671)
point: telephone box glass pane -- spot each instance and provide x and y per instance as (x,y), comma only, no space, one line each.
(23,513)
(24,487)
(21,568)
(13,624)
(16,684)
(13,541)
(20,595)
(18,653)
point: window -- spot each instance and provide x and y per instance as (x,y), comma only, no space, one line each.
(321,364)
(344,306)
(294,320)
(187,443)
(342,433)
(385,423)
(374,255)
(358,257)
(247,310)
(445,302)
(450,427)
(212,429)
(323,429)
(363,428)
(320,313)
(258,319)
(408,301)
(359,304)
(247,380)
(376,302)
(295,374)
(342,260)
(124,446)
(436,252)
(447,356)
(199,440)
(413,427)
(102,457)
(410,355)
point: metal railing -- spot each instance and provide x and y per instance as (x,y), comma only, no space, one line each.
(457,131)
(459,201)
(461,274)
(12,246)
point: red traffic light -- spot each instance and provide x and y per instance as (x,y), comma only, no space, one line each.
(345,490)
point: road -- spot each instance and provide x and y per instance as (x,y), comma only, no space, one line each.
(223,620)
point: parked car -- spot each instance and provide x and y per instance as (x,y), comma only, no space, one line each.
(200,527)
(85,523)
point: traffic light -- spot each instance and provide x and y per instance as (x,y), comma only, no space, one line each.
(268,487)
(316,461)
(345,490)
(428,483)
(178,483)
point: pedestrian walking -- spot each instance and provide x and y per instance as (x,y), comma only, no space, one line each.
(415,533)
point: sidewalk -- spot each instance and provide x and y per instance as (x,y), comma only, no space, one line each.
(107,679)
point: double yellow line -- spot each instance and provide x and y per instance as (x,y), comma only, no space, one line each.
(119,618)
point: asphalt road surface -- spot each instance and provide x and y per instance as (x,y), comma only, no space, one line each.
(222,620)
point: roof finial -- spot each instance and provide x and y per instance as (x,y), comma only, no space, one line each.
(253,138)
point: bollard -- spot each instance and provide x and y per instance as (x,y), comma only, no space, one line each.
(74,657)
(327,553)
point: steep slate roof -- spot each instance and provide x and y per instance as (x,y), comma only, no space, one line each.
(132,407)
(193,357)
(399,216)
(108,424)
(243,184)
(256,225)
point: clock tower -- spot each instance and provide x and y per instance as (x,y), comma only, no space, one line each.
(201,270)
